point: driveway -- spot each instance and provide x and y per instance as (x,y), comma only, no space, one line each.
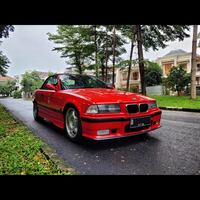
(172,149)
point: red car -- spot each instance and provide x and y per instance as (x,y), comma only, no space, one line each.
(86,106)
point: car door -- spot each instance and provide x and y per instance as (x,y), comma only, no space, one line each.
(45,95)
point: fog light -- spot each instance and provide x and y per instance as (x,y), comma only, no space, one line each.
(103,132)
(157,122)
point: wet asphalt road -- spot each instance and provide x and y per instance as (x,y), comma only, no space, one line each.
(174,149)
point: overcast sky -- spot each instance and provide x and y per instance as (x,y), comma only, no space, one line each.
(28,48)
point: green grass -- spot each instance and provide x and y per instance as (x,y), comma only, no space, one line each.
(175,101)
(20,150)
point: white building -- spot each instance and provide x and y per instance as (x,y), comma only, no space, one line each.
(176,57)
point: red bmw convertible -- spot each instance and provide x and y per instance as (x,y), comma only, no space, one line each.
(86,106)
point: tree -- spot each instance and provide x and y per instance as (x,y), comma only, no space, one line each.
(8,87)
(153,74)
(131,54)
(50,73)
(140,57)
(31,82)
(4,30)
(178,78)
(155,37)
(105,42)
(114,44)
(198,37)
(95,45)
(76,43)
(194,65)
(3,64)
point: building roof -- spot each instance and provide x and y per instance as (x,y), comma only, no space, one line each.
(6,78)
(175,52)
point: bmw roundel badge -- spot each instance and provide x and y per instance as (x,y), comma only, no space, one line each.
(134,98)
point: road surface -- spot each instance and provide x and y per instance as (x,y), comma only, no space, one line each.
(173,149)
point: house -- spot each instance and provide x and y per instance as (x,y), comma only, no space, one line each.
(176,57)
(122,75)
(4,79)
(42,75)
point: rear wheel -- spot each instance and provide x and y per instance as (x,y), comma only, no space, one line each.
(35,112)
(73,124)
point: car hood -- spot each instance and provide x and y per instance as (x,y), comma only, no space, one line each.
(100,95)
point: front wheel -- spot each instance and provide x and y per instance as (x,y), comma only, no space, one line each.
(73,124)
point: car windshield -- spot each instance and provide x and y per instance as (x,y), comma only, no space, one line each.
(81,81)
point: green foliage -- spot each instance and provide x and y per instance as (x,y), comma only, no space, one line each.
(78,45)
(198,37)
(153,74)
(75,41)
(178,78)
(31,82)
(4,30)
(175,101)
(17,94)
(20,150)
(133,89)
(123,89)
(156,36)
(3,64)
(7,87)
(50,73)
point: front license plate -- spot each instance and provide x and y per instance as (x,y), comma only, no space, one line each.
(140,121)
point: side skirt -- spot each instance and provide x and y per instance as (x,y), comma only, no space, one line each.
(56,122)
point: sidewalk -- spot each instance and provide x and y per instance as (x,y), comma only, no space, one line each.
(180,109)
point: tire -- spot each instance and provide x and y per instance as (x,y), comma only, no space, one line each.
(35,112)
(73,126)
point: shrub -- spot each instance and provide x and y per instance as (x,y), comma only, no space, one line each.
(133,89)
(17,94)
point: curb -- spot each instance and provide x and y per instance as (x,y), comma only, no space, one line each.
(47,151)
(180,109)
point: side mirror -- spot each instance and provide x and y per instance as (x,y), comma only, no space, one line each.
(51,87)
(112,87)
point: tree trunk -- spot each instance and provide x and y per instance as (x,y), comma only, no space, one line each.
(106,54)
(140,56)
(129,68)
(194,65)
(95,43)
(80,69)
(102,68)
(113,75)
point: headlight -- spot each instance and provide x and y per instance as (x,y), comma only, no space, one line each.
(153,104)
(109,108)
(104,108)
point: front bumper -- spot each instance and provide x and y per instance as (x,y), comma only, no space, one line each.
(118,126)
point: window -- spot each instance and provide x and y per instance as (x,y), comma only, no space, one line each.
(51,80)
(124,76)
(79,81)
(167,68)
(198,67)
(135,75)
